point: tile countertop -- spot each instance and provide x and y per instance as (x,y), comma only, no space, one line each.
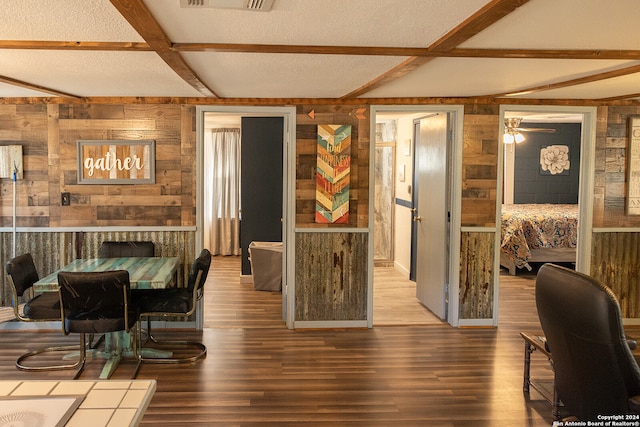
(104,403)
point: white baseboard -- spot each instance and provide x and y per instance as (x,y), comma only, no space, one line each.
(402,270)
(330,324)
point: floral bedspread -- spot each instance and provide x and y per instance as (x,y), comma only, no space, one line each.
(525,227)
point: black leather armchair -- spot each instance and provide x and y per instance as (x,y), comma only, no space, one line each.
(97,302)
(595,371)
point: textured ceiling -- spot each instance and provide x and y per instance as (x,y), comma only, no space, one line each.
(103,48)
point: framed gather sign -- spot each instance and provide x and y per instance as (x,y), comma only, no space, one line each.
(116,162)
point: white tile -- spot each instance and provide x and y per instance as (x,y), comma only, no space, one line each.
(141,384)
(90,417)
(122,417)
(133,399)
(34,388)
(72,387)
(112,385)
(103,399)
(6,387)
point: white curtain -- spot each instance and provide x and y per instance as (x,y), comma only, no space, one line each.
(222,191)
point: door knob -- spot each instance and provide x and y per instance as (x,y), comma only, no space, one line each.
(417,218)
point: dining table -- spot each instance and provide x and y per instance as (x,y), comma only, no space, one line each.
(144,273)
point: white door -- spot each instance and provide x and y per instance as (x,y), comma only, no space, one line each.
(432,213)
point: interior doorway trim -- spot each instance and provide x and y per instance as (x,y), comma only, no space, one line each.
(288,200)
(457,116)
(585,191)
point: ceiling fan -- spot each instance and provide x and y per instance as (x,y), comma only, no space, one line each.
(513,131)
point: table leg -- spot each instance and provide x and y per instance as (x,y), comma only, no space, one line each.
(555,405)
(528,349)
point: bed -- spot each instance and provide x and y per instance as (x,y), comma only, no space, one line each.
(537,233)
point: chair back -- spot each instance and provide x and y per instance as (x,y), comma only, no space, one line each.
(199,271)
(94,302)
(22,273)
(595,370)
(110,249)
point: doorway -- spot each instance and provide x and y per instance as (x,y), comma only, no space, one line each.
(392,279)
(286,115)
(529,187)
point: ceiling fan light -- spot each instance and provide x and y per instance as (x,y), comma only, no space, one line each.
(508,138)
(519,137)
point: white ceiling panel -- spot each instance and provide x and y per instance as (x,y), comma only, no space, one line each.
(597,90)
(66,20)
(406,23)
(92,73)
(17,91)
(568,24)
(479,77)
(258,75)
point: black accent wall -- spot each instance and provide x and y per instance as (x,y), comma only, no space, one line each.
(531,184)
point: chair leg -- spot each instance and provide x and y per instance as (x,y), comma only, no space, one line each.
(21,366)
(136,348)
(172,344)
(83,356)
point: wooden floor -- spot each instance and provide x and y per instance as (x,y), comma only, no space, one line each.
(258,373)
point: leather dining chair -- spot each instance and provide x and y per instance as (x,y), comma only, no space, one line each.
(177,302)
(111,249)
(97,302)
(45,307)
(595,371)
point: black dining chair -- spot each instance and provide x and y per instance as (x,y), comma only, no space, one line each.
(126,248)
(111,249)
(97,302)
(45,307)
(180,303)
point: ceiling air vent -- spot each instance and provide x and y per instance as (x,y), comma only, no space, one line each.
(256,5)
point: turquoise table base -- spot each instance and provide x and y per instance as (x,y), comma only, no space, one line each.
(117,347)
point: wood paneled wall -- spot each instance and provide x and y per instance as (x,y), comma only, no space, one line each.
(615,256)
(27,125)
(48,134)
(331,266)
(306,148)
(168,202)
(612,140)
(480,165)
